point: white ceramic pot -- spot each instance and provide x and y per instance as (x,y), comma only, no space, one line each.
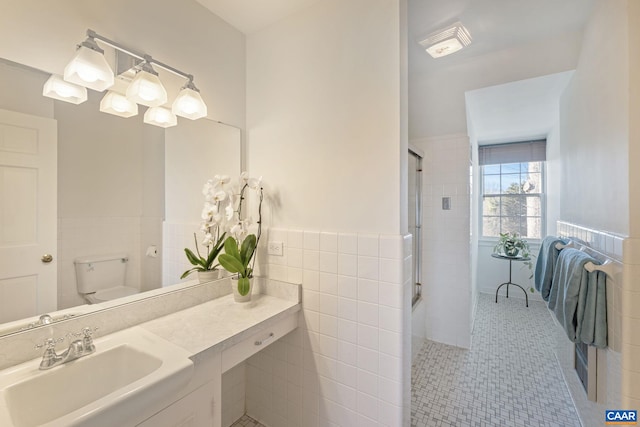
(236,295)
(209,275)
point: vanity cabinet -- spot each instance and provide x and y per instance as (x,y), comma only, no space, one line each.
(200,408)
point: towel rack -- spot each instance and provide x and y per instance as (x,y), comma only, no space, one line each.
(606,267)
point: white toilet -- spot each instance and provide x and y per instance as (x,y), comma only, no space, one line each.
(102,277)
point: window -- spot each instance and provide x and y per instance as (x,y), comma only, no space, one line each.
(512,188)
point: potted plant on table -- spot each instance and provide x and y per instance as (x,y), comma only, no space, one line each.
(512,245)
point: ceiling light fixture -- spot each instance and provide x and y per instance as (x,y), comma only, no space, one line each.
(55,87)
(160,116)
(118,105)
(189,103)
(146,88)
(90,69)
(447,41)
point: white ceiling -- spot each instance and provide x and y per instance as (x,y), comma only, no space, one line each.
(250,16)
(493,24)
(519,110)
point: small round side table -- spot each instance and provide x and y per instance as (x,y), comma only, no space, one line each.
(511,259)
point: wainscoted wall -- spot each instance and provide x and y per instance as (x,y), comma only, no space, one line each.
(446,239)
(78,237)
(348,363)
(610,360)
(233,394)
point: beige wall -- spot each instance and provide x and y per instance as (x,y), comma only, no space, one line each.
(323,117)
(594,126)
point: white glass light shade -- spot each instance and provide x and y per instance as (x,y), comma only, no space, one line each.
(89,68)
(160,116)
(118,104)
(57,88)
(444,48)
(146,89)
(189,104)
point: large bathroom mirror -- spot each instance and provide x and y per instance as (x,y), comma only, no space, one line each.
(120,187)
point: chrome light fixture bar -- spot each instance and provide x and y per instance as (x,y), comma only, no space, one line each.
(89,69)
(447,40)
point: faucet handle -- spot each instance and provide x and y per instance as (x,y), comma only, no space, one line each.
(49,343)
(87,341)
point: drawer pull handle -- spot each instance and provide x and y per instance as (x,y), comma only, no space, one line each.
(260,342)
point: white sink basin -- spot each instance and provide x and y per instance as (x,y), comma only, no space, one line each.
(131,372)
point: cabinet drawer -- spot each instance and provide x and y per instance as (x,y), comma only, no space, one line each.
(256,342)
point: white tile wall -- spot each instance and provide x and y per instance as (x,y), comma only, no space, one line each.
(345,365)
(446,240)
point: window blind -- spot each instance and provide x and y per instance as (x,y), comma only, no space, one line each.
(514,152)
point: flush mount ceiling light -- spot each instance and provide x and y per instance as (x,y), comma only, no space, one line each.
(118,105)
(90,69)
(55,87)
(189,103)
(160,116)
(447,41)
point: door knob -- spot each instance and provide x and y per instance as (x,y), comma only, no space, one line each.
(47,258)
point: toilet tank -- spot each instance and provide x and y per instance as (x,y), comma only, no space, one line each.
(97,272)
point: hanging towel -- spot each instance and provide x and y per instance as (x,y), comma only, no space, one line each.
(567,298)
(593,330)
(547,257)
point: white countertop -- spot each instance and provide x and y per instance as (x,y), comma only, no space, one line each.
(220,323)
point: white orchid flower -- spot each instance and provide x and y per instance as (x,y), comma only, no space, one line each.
(206,189)
(229,212)
(244,178)
(220,180)
(208,239)
(255,183)
(219,196)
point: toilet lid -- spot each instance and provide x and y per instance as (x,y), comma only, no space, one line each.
(115,292)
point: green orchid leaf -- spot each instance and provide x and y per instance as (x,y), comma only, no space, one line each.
(231,264)
(188,272)
(243,286)
(231,248)
(248,246)
(217,248)
(193,259)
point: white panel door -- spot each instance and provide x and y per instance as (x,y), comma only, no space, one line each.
(28,215)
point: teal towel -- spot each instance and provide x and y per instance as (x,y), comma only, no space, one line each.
(568,295)
(593,330)
(545,265)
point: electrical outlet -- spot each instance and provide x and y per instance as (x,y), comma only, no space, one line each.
(275,248)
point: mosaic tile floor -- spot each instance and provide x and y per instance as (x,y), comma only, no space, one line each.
(247,421)
(510,377)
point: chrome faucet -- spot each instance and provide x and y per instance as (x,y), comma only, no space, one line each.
(77,348)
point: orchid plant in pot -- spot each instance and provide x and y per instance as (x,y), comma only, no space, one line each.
(240,246)
(213,223)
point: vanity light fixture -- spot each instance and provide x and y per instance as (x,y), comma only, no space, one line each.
(189,103)
(55,87)
(146,88)
(447,40)
(160,116)
(90,69)
(118,105)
